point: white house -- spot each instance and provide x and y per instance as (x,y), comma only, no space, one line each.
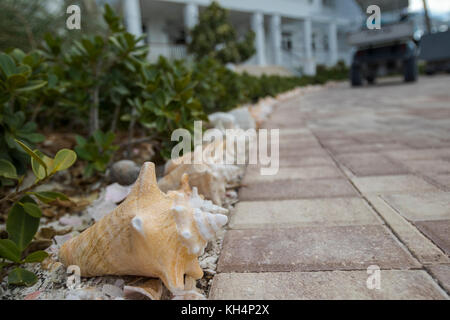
(295,34)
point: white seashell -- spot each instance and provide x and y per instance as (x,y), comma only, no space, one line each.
(211,177)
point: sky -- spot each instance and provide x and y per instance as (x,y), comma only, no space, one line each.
(435,6)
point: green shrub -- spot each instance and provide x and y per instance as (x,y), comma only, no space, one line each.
(166,102)
(96,74)
(24,215)
(97,150)
(215,37)
(20,78)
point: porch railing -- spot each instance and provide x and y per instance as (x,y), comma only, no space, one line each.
(168,50)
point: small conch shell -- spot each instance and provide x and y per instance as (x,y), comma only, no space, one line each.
(211,176)
(150,234)
(210,184)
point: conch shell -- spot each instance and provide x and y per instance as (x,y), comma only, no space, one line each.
(150,234)
(211,176)
(261,111)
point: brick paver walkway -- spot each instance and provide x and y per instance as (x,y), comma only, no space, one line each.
(364,180)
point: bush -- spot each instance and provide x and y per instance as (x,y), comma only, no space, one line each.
(20,78)
(215,37)
(98,151)
(97,74)
(24,214)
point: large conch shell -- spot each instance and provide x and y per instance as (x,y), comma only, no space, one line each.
(150,234)
(210,177)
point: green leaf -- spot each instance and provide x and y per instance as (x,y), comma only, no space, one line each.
(32,154)
(80,141)
(37,256)
(20,276)
(7,64)
(20,225)
(7,169)
(32,209)
(9,250)
(39,171)
(17,80)
(32,137)
(64,159)
(32,85)
(98,137)
(49,196)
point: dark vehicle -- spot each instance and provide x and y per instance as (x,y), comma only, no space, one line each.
(435,50)
(384,51)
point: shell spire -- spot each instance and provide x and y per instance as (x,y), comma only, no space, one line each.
(150,234)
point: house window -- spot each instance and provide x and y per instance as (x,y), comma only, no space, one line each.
(286,41)
(326,45)
(313,41)
(328,3)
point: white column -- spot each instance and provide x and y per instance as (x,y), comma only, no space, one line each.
(332,43)
(132,12)
(275,37)
(258,28)
(190,18)
(309,65)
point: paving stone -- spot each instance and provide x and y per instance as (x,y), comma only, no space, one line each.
(312,249)
(392,184)
(294,131)
(441,179)
(364,148)
(438,231)
(424,142)
(429,166)
(306,161)
(309,173)
(442,273)
(306,212)
(334,285)
(419,154)
(371,164)
(422,248)
(296,189)
(421,206)
(302,152)
(293,142)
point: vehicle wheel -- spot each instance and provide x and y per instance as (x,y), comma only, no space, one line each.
(410,69)
(355,76)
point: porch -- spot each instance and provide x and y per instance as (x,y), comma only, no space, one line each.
(297,44)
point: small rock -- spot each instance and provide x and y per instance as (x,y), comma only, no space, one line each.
(70,221)
(61,239)
(112,291)
(32,296)
(116,192)
(84,294)
(124,172)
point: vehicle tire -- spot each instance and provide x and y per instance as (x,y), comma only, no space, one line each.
(410,69)
(355,76)
(370,80)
